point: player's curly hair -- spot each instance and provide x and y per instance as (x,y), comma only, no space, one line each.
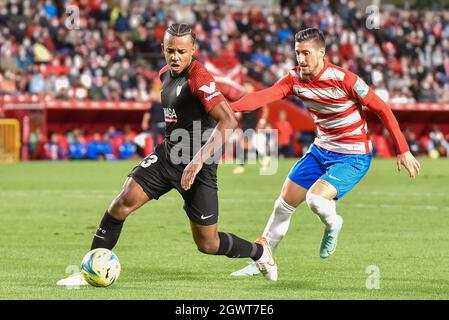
(311,34)
(180,30)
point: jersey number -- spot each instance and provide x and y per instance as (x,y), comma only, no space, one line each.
(148,161)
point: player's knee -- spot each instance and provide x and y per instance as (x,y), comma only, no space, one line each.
(291,196)
(121,207)
(319,204)
(314,201)
(281,206)
(208,247)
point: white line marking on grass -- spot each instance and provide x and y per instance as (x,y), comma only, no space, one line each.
(402,194)
(395,206)
(58,193)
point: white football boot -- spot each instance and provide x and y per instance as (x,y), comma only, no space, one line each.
(266,263)
(250,270)
(76,279)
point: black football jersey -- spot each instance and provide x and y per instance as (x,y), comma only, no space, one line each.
(187,99)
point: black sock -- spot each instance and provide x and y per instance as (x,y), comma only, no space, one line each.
(107,234)
(235,247)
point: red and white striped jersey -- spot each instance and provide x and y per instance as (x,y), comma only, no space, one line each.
(334,97)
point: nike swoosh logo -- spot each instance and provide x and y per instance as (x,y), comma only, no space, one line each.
(332,177)
(205,217)
(99,237)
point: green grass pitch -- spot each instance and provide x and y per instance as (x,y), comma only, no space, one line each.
(393,224)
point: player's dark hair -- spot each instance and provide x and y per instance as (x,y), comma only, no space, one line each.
(311,34)
(180,30)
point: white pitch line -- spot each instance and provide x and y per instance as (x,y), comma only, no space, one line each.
(357,193)
(402,194)
(396,206)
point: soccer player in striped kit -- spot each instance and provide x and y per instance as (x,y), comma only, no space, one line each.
(341,153)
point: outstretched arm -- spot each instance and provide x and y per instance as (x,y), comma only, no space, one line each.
(359,90)
(404,156)
(258,99)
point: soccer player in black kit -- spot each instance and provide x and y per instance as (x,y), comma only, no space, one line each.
(194,110)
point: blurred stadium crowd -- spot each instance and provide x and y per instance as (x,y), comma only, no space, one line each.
(117,55)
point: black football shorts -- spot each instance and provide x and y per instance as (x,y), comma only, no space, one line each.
(157,176)
(250,120)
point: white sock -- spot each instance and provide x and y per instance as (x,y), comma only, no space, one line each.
(277,225)
(325,209)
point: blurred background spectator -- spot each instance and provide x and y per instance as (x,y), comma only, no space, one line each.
(77,148)
(53,149)
(127,148)
(285,135)
(95,148)
(437,143)
(415,146)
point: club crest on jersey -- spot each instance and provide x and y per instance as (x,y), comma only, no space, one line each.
(210,90)
(170,115)
(361,87)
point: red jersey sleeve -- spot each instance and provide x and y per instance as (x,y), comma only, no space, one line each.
(356,88)
(258,99)
(383,111)
(204,87)
(359,91)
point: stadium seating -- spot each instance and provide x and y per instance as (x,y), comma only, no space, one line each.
(112,53)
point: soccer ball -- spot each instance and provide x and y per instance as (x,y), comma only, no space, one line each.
(100,267)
